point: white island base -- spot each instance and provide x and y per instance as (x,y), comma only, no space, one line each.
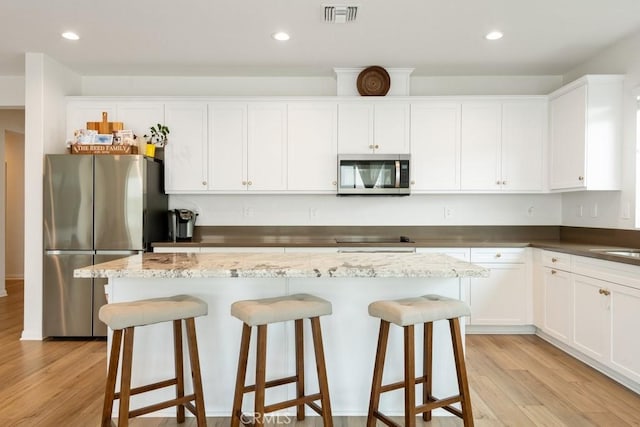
(349,281)
(349,336)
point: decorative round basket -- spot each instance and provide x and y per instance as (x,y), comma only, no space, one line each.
(373,81)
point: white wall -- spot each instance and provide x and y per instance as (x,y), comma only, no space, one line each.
(11,120)
(46,84)
(12,91)
(310,86)
(14,212)
(478,209)
(618,210)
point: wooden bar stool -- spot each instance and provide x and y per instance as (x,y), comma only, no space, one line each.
(260,313)
(407,313)
(122,318)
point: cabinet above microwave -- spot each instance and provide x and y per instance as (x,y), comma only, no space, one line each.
(373,174)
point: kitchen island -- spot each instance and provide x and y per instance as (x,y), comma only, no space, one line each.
(349,280)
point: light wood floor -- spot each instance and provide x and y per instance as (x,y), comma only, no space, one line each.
(515,381)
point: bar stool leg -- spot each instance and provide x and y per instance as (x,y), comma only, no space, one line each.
(378,368)
(322,372)
(112,373)
(261,363)
(195,372)
(236,412)
(179,367)
(299,337)
(125,381)
(463,384)
(427,368)
(409,377)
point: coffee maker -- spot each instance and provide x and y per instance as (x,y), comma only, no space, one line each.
(181,224)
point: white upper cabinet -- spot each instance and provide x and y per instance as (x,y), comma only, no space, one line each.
(140,116)
(312,146)
(585,134)
(228,146)
(524,130)
(267,146)
(373,127)
(481,141)
(503,145)
(435,146)
(186,161)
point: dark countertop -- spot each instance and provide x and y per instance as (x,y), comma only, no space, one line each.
(586,242)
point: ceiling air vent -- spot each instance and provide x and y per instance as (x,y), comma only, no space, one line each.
(340,14)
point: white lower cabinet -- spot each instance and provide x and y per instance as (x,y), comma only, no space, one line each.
(501,298)
(591,320)
(557,300)
(624,320)
(594,307)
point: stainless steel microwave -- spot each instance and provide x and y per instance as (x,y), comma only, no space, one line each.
(373,174)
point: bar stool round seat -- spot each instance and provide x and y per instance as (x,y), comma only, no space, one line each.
(407,313)
(260,313)
(123,318)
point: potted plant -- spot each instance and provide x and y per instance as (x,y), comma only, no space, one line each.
(159,135)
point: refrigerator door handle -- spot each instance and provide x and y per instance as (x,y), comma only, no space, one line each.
(66,252)
(119,252)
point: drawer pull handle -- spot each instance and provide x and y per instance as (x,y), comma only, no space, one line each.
(498,255)
(553,272)
(554,259)
(604,292)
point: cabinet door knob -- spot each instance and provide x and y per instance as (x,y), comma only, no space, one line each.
(554,259)
(581,178)
(244,182)
(334,182)
(498,255)
(413,182)
(249,183)
(376,146)
(498,182)
(604,292)
(204,182)
(371,146)
(504,182)
(553,272)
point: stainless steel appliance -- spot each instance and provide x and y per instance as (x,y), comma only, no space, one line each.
(96,209)
(181,224)
(373,174)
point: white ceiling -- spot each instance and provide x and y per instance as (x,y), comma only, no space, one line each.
(232,37)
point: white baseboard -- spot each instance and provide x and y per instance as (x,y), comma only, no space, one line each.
(3,293)
(500,329)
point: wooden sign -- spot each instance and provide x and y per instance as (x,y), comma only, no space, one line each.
(103,149)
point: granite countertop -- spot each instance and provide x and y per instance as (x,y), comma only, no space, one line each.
(284,265)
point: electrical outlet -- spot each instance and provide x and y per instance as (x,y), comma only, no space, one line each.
(579,210)
(313,212)
(448,212)
(530,211)
(594,210)
(248,212)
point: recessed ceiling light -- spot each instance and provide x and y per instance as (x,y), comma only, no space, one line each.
(281,36)
(70,35)
(493,35)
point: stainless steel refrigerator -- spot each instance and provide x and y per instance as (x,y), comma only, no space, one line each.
(96,209)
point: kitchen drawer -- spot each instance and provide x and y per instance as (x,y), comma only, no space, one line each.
(509,255)
(556,260)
